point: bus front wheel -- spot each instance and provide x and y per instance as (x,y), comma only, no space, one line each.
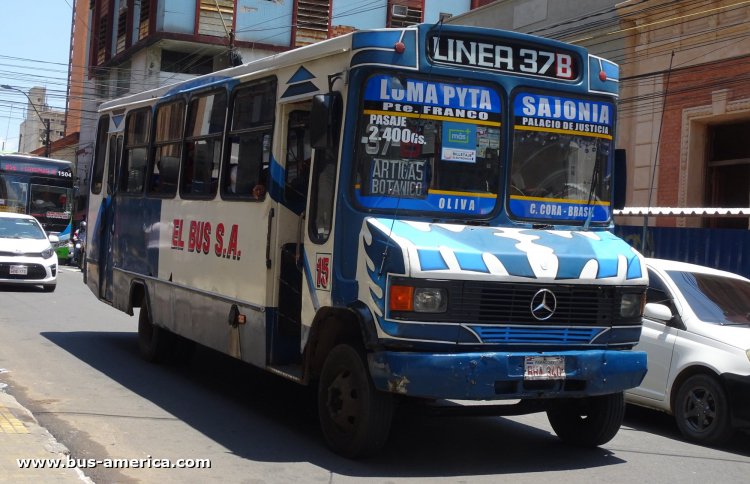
(587,422)
(355,417)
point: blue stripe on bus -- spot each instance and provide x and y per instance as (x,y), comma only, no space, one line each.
(302,74)
(198,83)
(299,89)
(379,40)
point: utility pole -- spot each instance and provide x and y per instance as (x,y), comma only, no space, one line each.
(45,122)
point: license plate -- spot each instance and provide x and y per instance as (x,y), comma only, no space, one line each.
(18,270)
(544,368)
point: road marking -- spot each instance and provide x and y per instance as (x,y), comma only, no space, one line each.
(9,424)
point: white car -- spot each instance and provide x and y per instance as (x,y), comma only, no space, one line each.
(27,255)
(696,332)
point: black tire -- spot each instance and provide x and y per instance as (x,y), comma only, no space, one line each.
(153,341)
(355,417)
(702,411)
(587,422)
(49,287)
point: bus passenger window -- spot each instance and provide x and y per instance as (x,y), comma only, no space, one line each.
(100,151)
(165,162)
(136,151)
(205,125)
(248,150)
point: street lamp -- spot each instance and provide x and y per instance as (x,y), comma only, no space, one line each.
(45,122)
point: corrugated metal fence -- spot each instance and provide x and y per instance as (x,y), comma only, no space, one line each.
(726,249)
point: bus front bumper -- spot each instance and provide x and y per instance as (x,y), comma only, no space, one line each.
(501,375)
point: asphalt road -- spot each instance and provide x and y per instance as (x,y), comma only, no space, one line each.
(73,361)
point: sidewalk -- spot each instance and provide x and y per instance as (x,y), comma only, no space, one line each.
(21,437)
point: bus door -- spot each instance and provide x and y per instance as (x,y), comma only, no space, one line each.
(306,267)
(107,217)
(297,158)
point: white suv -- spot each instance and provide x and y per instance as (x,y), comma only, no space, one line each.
(696,331)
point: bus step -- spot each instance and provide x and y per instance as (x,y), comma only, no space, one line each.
(292,372)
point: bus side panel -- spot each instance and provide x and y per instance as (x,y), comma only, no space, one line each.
(135,220)
(207,257)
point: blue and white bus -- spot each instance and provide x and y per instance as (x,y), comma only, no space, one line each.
(419,213)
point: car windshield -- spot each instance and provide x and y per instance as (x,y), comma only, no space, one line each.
(20,228)
(428,146)
(559,169)
(715,299)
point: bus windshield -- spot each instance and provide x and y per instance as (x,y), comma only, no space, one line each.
(559,168)
(428,145)
(52,206)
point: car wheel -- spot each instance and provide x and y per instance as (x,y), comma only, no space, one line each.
(702,411)
(154,342)
(587,422)
(49,287)
(354,415)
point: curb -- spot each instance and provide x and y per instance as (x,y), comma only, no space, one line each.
(21,437)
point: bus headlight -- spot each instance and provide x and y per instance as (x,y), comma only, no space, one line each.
(47,253)
(631,305)
(418,299)
(748,354)
(430,300)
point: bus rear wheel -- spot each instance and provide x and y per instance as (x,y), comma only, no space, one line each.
(355,417)
(587,422)
(153,341)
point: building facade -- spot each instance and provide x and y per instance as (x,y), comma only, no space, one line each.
(687,106)
(684,99)
(120,47)
(33,130)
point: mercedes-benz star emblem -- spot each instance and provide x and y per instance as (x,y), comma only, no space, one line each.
(543,304)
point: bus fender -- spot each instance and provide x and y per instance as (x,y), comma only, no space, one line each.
(138,294)
(366,323)
(332,326)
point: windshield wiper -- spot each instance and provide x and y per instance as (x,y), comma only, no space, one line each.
(592,189)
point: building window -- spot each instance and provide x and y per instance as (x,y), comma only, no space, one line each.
(101,39)
(186,63)
(216,17)
(143,23)
(728,172)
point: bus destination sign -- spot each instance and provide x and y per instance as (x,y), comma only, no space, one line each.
(35,169)
(504,56)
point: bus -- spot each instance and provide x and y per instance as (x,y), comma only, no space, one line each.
(44,188)
(420,214)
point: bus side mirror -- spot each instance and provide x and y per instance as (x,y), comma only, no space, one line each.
(325,120)
(620,186)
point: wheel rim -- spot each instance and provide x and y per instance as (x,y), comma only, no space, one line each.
(343,401)
(699,409)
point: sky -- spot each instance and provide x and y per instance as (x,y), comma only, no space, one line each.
(34,51)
